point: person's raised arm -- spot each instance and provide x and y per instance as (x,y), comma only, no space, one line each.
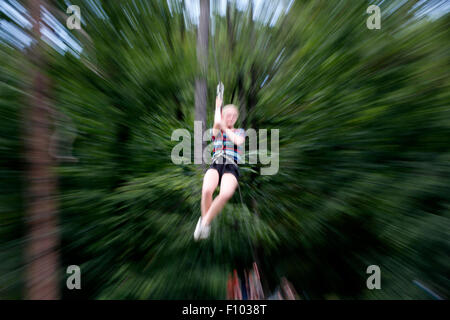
(217,117)
(235,138)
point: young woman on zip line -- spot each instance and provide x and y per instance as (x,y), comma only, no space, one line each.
(224,171)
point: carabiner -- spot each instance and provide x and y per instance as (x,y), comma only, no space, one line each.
(220,89)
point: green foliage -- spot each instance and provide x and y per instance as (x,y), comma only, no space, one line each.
(364,155)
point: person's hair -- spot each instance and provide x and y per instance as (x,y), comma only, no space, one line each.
(230,106)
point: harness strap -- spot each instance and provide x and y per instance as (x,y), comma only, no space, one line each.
(221,153)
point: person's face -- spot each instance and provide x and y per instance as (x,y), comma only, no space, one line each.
(230,116)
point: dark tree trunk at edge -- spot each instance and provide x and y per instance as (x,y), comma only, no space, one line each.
(41,251)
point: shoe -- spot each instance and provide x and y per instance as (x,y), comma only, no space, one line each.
(205,230)
(198,229)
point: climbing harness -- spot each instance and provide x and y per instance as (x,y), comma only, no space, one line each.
(221,153)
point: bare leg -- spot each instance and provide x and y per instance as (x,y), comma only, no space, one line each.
(227,187)
(210,182)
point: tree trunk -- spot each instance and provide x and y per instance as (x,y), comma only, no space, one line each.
(230,27)
(41,252)
(200,82)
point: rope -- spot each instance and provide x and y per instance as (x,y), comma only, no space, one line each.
(215,59)
(220,87)
(427,290)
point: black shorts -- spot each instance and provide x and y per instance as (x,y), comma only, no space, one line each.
(225,168)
